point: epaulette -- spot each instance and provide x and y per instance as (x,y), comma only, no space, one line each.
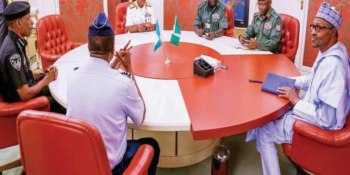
(133,5)
(275,14)
(148,4)
(201,5)
(222,5)
(255,16)
(126,73)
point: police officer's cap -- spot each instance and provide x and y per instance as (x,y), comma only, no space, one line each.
(16,10)
(101,26)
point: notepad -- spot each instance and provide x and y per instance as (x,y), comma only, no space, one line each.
(273,82)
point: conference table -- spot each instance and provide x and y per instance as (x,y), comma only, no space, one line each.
(187,114)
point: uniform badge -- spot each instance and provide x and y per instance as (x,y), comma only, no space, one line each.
(267,25)
(15,61)
(215,16)
(278,28)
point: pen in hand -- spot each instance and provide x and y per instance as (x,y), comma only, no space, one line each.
(255,81)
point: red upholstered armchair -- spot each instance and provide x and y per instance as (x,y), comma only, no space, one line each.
(230,23)
(319,151)
(56,144)
(290,36)
(53,40)
(120,19)
(8,117)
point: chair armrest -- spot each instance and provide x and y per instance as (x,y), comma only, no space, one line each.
(49,57)
(140,163)
(72,45)
(338,138)
(230,33)
(13,109)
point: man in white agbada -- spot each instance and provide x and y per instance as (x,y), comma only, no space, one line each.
(327,100)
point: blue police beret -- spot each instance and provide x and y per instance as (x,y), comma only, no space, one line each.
(16,10)
(101,26)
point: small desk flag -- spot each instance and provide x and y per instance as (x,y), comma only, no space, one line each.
(158,43)
(176,35)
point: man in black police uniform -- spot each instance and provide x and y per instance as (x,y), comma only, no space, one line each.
(17,81)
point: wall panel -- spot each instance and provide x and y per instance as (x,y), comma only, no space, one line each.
(310,53)
(78,16)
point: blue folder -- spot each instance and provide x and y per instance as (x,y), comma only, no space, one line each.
(273,82)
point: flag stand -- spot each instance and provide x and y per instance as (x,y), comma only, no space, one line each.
(168,59)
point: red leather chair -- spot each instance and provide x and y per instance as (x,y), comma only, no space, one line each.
(290,36)
(52,40)
(230,23)
(120,19)
(319,151)
(8,117)
(56,144)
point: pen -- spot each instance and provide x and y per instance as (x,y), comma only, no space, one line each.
(255,81)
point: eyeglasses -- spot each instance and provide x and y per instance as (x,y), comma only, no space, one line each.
(317,28)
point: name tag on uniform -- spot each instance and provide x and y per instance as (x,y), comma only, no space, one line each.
(207,25)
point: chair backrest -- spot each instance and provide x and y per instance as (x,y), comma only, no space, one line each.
(120,19)
(56,144)
(290,36)
(52,36)
(230,22)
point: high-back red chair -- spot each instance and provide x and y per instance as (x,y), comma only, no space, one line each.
(120,19)
(290,36)
(319,151)
(230,22)
(8,128)
(52,40)
(56,144)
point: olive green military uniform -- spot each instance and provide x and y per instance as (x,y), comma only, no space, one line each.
(210,20)
(267,31)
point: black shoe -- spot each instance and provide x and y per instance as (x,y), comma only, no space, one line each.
(301,172)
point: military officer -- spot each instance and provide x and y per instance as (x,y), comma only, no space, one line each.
(266,27)
(17,81)
(211,20)
(140,17)
(110,102)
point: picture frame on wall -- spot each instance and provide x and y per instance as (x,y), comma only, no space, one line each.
(240,12)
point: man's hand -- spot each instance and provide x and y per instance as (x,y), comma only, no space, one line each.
(150,27)
(116,63)
(289,94)
(55,70)
(252,44)
(200,32)
(243,39)
(141,28)
(211,36)
(50,76)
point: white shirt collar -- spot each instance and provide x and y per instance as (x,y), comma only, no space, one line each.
(99,62)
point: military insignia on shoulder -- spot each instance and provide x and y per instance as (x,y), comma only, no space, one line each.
(131,6)
(15,61)
(278,28)
(148,4)
(126,73)
(201,4)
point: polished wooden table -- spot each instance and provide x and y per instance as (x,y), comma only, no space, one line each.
(188,114)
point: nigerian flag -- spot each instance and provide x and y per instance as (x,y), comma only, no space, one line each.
(175,36)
